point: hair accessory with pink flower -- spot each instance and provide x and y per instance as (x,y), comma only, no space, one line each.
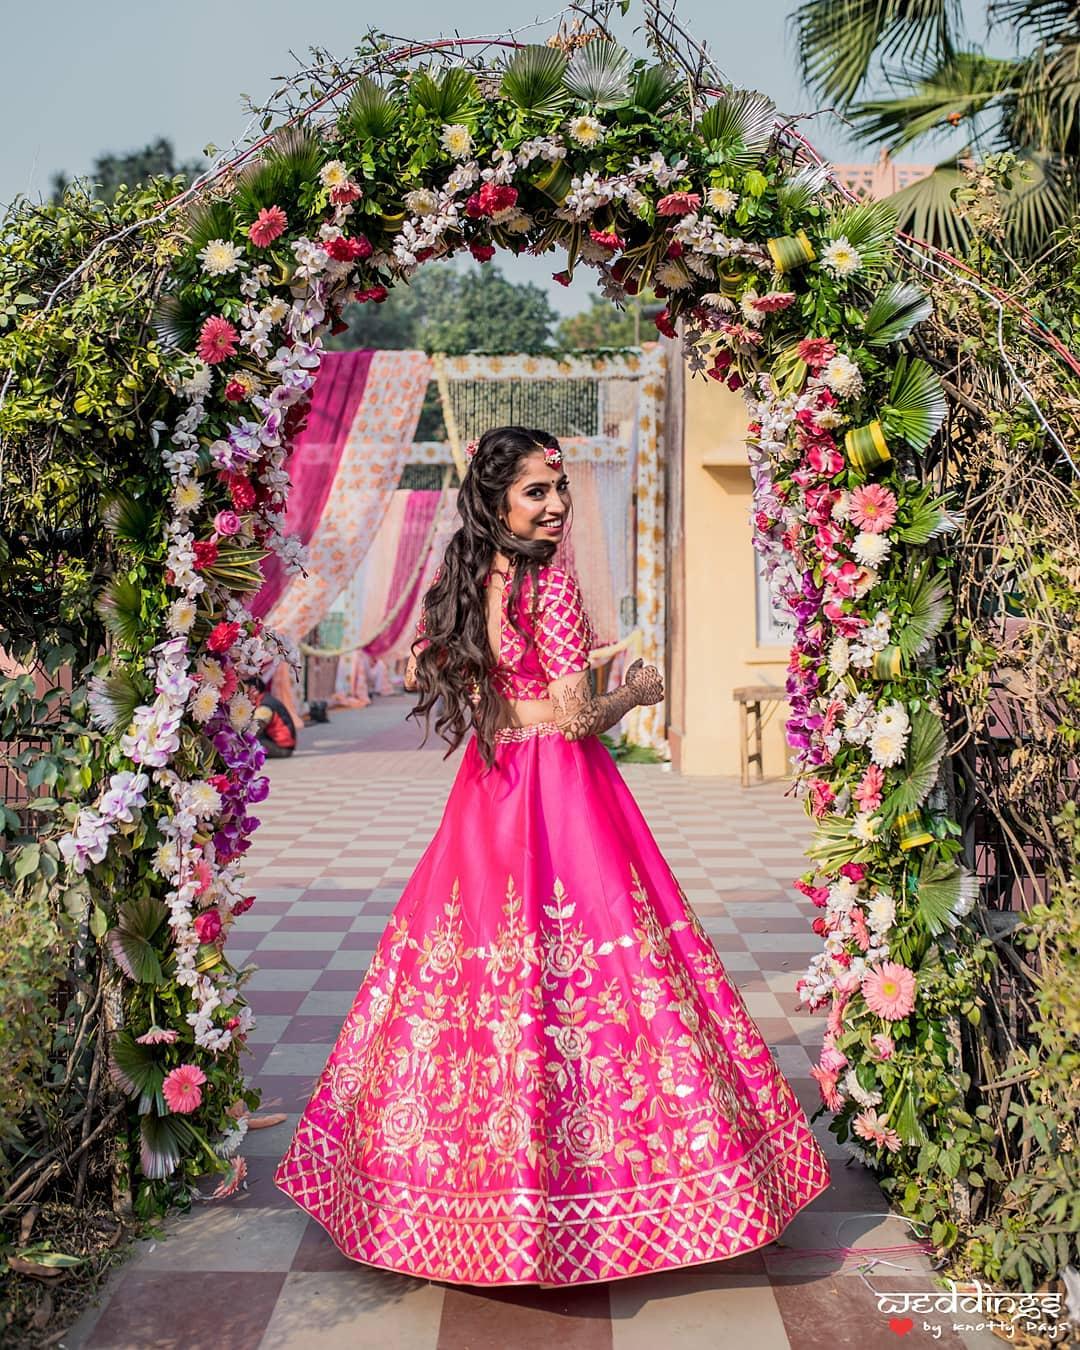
(471,449)
(553,456)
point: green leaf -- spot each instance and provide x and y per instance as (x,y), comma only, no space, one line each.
(657,88)
(371,114)
(136,1069)
(161,1145)
(925,608)
(896,310)
(533,80)
(795,191)
(289,163)
(740,125)
(99,922)
(598,74)
(833,844)
(112,700)
(209,218)
(452,98)
(130,941)
(120,608)
(177,319)
(870,229)
(27,861)
(916,405)
(925,751)
(939,887)
(130,520)
(908,1125)
(927,209)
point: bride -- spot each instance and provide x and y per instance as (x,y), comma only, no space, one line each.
(546,1076)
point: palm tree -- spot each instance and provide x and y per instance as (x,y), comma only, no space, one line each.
(1027,104)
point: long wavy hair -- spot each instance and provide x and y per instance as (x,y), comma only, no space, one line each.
(454,668)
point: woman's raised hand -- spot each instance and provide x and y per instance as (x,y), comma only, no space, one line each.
(646,682)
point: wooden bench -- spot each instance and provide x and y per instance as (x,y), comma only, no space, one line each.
(750,697)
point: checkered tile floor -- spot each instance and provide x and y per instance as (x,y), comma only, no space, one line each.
(346,821)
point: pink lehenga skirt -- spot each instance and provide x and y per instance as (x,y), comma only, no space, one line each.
(546,1076)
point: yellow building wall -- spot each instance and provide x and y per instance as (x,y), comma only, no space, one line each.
(721,650)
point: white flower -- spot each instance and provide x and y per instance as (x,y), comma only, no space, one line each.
(585,130)
(204,799)
(828,419)
(881,911)
(334,174)
(871,549)
(859,720)
(673,275)
(864,827)
(422,202)
(219,256)
(204,704)
(274,312)
(840,258)
(839,657)
(887,747)
(842,505)
(197,384)
(166,858)
(210,671)
(241,710)
(857,1092)
(187,496)
(722,200)
(180,618)
(519,222)
(843,376)
(893,717)
(456,140)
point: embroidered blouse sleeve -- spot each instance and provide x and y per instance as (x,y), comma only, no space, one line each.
(564,633)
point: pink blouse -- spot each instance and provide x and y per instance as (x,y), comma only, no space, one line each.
(555,639)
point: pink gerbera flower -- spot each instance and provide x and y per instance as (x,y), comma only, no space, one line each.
(875,1129)
(231,1184)
(816,352)
(217,340)
(268,224)
(868,793)
(883,1044)
(678,203)
(873,508)
(826,1082)
(182,1089)
(158,1036)
(889,990)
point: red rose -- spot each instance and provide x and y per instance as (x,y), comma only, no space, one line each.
(819,926)
(664,324)
(206,553)
(236,391)
(482,252)
(241,492)
(343,249)
(495,197)
(222,637)
(207,925)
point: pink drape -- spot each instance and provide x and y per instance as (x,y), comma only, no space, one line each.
(316,454)
(408,568)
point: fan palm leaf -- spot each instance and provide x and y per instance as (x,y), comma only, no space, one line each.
(740,125)
(599,74)
(916,404)
(656,89)
(371,113)
(919,773)
(926,607)
(120,608)
(237,567)
(112,700)
(533,80)
(452,97)
(209,220)
(895,311)
(131,521)
(135,1069)
(162,1140)
(1038,203)
(839,40)
(796,190)
(870,229)
(939,888)
(177,320)
(130,941)
(291,161)
(834,844)
(927,209)
(924,517)
(1046,109)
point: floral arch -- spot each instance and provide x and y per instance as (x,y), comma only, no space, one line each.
(773,283)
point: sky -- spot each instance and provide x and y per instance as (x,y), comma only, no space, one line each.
(84,78)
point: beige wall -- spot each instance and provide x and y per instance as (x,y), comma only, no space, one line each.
(720,650)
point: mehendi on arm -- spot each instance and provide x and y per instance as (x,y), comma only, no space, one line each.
(579,713)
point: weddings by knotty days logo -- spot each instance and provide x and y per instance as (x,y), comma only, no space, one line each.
(970,1307)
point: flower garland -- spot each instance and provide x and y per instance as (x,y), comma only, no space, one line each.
(776,296)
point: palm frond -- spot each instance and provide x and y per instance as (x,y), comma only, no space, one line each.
(452,97)
(291,161)
(926,208)
(939,889)
(533,80)
(599,74)
(1041,19)
(209,220)
(924,517)
(740,124)
(1039,203)
(162,1140)
(839,40)
(130,941)
(916,405)
(796,190)
(935,100)
(655,89)
(1046,109)
(895,311)
(919,772)
(135,1069)
(833,844)
(120,608)
(870,229)
(926,607)
(131,521)
(177,320)
(112,700)
(371,113)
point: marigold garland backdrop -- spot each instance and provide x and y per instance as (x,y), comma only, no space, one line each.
(171,427)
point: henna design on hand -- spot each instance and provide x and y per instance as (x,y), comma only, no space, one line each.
(578,713)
